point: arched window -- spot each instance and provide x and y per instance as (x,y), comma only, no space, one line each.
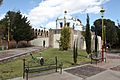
(73,25)
(35,32)
(41,32)
(47,33)
(61,24)
(68,24)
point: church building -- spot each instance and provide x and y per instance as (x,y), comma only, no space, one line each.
(51,37)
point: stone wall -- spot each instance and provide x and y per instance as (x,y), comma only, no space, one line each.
(93,43)
(56,40)
(40,42)
(53,39)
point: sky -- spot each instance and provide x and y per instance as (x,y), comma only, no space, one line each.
(45,12)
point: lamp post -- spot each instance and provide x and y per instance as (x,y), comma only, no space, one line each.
(8,32)
(103,31)
(105,37)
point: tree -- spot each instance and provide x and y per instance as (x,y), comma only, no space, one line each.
(30,34)
(88,36)
(96,42)
(4,25)
(110,30)
(118,33)
(2,32)
(20,28)
(1,29)
(75,52)
(1,2)
(65,38)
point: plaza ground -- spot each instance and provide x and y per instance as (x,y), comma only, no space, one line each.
(111,72)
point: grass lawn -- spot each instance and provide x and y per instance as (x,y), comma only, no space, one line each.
(13,68)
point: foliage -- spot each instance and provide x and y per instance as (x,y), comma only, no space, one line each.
(2,32)
(30,34)
(19,26)
(22,29)
(83,33)
(95,29)
(65,38)
(75,52)
(14,68)
(6,22)
(1,2)
(88,36)
(110,30)
(118,33)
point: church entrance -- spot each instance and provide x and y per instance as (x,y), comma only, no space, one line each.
(44,43)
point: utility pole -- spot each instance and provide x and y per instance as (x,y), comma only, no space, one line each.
(103,31)
(8,40)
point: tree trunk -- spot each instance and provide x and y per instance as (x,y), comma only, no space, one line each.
(17,44)
(27,43)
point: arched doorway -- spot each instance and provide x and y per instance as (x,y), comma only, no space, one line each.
(44,43)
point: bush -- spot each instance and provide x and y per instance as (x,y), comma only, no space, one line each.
(65,38)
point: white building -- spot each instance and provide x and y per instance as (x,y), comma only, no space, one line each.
(70,21)
(51,37)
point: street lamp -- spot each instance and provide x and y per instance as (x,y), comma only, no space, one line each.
(8,31)
(105,37)
(103,31)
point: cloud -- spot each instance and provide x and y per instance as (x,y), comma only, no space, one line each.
(51,9)
(51,24)
(2,16)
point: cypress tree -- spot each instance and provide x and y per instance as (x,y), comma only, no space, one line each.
(88,36)
(75,52)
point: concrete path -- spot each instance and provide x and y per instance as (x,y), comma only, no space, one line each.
(106,75)
(57,76)
(12,53)
(112,62)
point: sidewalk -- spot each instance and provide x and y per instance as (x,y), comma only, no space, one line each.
(53,76)
(12,53)
(106,75)
(112,61)
(57,76)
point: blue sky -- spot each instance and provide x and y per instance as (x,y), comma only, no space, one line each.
(45,12)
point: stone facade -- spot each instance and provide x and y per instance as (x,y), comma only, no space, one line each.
(53,39)
(42,38)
